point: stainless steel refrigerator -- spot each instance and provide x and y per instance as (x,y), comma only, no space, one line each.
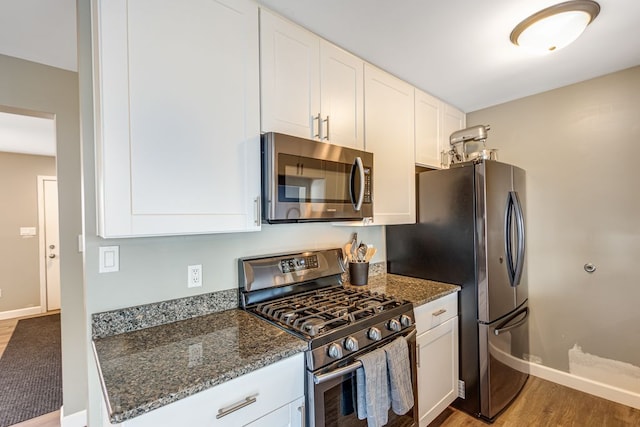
(470,231)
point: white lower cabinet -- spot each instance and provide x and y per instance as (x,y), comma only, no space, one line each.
(271,396)
(437,345)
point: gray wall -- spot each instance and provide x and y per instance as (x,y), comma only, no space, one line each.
(37,87)
(19,256)
(579,146)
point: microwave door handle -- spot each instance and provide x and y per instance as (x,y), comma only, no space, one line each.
(358,205)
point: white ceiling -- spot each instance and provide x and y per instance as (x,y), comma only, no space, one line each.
(458,50)
(26,134)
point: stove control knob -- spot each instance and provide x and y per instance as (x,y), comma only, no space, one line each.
(351,344)
(374,334)
(405,321)
(335,351)
(394,325)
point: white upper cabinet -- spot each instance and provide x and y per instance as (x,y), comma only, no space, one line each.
(310,88)
(435,121)
(428,111)
(341,100)
(389,131)
(177,116)
(290,77)
(453,120)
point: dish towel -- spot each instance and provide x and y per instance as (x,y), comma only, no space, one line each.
(372,388)
(399,367)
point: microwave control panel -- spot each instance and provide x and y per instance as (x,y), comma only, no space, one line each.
(367,185)
(290,265)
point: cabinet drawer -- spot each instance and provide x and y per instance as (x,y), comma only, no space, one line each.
(272,387)
(436,312)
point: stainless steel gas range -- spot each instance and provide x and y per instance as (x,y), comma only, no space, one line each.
(303,293)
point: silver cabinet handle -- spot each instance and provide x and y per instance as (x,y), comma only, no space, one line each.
(223,412)
(326,135)
(318,134)
(439,312)
(258,205)
(303,415)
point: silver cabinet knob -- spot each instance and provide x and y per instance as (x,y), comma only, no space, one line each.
(374,334)
(589,268)
(52,256)
(335,351)
(351,344)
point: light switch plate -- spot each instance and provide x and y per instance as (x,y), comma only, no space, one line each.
(109,261)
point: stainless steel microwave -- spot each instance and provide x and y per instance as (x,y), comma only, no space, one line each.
(307,181)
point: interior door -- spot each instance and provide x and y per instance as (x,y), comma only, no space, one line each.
(52,245)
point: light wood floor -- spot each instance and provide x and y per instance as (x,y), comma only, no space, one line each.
(546,404)
(541,404)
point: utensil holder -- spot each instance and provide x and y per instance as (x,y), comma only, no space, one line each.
(359,273)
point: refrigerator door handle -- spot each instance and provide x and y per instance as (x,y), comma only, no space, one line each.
(521,238)
(514,209)
(502,327)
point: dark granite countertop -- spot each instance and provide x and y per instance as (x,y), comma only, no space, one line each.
(149,368)
(418,291)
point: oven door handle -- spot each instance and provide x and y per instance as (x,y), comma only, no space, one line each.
(319,379)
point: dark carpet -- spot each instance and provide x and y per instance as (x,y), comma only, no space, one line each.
(31,371)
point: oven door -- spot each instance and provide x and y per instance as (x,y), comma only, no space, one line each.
(331,396)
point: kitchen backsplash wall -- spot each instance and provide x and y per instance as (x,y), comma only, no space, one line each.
(579,146)
(155,269)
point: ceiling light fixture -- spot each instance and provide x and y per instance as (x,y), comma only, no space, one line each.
(556,26)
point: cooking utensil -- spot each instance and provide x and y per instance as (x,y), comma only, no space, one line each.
(346,252)
(362,252)
(354,247)
(371,251)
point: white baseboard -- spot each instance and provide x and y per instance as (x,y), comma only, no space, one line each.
(77,419)
(11,314)
(605,391)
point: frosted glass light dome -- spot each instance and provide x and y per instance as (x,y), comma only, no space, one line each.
(555,27)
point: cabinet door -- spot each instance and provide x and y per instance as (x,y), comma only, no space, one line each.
(290,77)
(272,393)
(428,110)
(452,120)
(389,135)
(177,116)
(437,370)
(290,415)
(341,96)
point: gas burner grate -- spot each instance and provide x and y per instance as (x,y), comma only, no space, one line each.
(317,312)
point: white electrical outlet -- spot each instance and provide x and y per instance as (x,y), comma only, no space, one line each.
(194,276)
